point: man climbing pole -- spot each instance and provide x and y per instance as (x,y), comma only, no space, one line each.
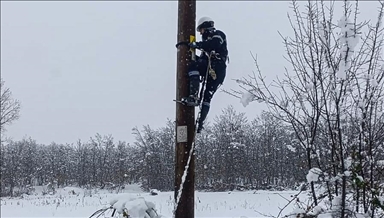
(214,43)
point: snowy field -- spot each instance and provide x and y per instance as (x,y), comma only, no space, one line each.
(76,202)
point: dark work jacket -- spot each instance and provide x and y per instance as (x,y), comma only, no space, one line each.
(214,40)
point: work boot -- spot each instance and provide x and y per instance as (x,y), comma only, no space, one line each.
(200,127)
(203,115)
(191,101)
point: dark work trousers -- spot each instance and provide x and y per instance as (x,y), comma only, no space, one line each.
(211,85)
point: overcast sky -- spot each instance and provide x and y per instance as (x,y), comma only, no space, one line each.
(81,68)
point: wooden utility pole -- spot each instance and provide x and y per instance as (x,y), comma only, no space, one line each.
(185,116)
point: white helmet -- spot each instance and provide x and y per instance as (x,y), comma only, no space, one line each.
(205,22)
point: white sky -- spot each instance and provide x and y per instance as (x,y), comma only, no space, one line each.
(81,68)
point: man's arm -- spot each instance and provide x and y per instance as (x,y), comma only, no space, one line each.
(212,44)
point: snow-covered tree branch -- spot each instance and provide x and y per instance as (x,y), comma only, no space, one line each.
(332,97)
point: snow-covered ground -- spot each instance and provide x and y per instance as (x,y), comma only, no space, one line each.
(76,202)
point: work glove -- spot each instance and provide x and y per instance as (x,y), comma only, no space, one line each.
(194,45)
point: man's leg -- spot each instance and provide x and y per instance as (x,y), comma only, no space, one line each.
(211,87)
(194,84)
(210,90)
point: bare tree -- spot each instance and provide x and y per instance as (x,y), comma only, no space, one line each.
(335,81)
(10,108)
(232,153)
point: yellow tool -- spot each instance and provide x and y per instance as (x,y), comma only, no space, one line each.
(192,38)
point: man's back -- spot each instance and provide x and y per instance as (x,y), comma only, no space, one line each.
(216,40)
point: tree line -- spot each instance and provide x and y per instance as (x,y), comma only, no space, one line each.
(231,153)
